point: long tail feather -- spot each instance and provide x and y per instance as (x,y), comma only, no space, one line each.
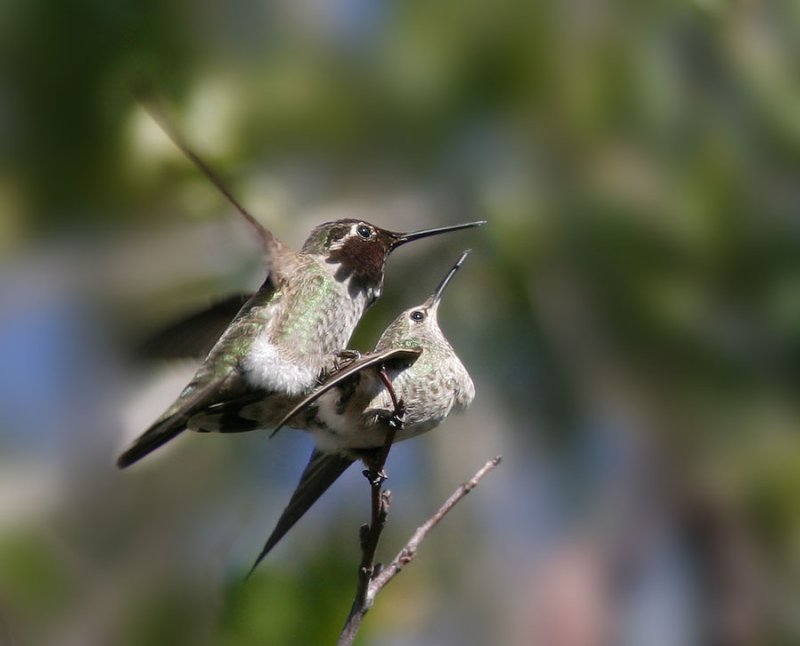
(152,439)
(320,473)
(172,424)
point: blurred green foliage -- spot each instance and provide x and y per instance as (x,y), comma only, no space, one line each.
(638,163)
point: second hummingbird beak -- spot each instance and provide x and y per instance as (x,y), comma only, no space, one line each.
(433,301)
(401,238)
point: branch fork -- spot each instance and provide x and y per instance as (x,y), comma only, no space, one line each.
(372,577)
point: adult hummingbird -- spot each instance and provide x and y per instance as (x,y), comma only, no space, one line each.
(408,385)
(275,347)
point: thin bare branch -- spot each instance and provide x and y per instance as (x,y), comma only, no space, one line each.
(371,578)
(409,551)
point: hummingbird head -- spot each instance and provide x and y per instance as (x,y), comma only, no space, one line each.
(419,325)
(360,249)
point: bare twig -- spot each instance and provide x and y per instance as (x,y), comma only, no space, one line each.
(372,578)
(409,551)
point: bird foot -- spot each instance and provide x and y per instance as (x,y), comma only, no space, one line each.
(344,358)
(397,419)
(375,477)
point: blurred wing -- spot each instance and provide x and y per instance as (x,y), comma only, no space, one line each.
(194,335)
(320,473)
(398,358)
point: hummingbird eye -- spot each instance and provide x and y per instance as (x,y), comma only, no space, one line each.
(417,315)
(364,231)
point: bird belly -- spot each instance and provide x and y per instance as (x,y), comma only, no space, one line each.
(361,421)
(355,428)
(336,429)
(267,366)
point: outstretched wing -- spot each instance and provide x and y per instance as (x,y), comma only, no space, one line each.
(397,358)
(320,473)
(194,335)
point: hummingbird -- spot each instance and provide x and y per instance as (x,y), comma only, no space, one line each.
(277,341)
(281,339)
(407,386)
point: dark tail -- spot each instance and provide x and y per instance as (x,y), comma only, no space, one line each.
(152,439)
(320,473)
(170,426)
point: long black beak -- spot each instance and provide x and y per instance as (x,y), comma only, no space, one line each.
(437,295)
(402,238)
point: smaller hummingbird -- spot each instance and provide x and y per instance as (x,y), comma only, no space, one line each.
(408,385)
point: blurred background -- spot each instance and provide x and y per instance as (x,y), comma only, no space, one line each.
(630,315)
